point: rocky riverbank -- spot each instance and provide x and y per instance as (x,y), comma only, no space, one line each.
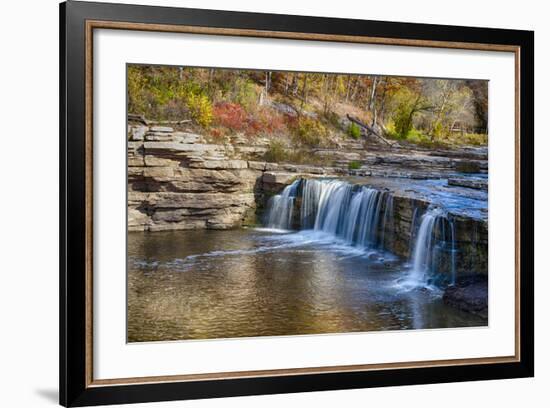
(177,180)
(181,180)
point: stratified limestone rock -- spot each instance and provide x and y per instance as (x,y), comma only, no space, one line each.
(251,151)
(478,184)
(158,137)
(137,132)
(135,154)
(260,166)
(162,129)
(339,155)
(274,182)
(219,164)
(186,137)
(167,210)
(470,166)
(137,220)
(180,179)
(176,180)
(178,149)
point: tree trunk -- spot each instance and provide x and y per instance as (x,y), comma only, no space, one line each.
(381,109)
(348,88)
(294,86)
(369,129)
(355,87)
(304,92)
(373,94)
(267,82)
(288,83)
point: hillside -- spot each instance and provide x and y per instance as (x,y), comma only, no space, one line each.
(295,113)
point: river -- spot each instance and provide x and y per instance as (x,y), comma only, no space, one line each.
(263,282)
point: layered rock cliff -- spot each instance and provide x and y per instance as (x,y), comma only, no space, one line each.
(177,180)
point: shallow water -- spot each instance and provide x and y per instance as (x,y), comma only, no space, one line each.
(465,201)
(246,283)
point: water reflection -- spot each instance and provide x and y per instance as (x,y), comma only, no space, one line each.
(246,283)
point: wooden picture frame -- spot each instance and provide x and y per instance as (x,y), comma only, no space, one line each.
(77,384)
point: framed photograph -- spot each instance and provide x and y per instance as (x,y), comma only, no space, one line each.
(256,204)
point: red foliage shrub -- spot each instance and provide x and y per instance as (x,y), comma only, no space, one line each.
(216,132)
(272,122)
(234,117)
(291,122)
(231,115)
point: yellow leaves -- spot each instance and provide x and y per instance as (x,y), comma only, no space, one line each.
(200,109)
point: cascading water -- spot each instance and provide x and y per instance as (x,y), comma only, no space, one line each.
(363,217)
(359,215)
(281,207)
(435,235)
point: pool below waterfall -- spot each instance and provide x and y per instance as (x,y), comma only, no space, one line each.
(259,282)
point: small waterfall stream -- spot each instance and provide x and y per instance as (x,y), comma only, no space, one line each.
(359,215)
(281,207)
(435,242)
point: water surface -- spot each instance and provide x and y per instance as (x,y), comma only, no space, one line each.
(246,283)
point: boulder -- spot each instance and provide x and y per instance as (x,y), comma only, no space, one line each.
(278,178)
(470,294)
(137,133)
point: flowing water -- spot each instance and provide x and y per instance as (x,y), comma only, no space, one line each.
(332,274)
(244,283)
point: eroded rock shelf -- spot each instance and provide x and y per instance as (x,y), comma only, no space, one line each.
(179,181)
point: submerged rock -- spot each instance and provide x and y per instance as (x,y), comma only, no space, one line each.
(470,294)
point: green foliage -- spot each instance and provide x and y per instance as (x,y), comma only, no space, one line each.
(354,131)
(245,93)
(476,139)
(439,131)
(414,136)
(310,132)
(165,93)
(354,165)
(276,152)
(333,119)
(279,153)
(136,83)
(402,119)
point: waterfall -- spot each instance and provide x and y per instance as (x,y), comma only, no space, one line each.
(359,215)
(435,233)
(311,193)
(364,217)
(333,202)
(281,207)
